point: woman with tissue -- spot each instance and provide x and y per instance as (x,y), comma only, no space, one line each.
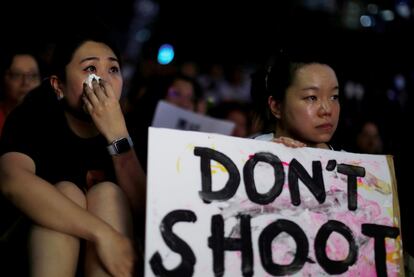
(68,164)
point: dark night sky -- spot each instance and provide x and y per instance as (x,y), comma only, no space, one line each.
(228,31)
(234,31)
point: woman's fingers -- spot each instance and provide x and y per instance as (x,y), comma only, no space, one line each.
(106,88)
(104,108)
(99,90)
(90,94)
(99,96)
(289,142)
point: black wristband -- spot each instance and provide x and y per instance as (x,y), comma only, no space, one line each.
(120,146)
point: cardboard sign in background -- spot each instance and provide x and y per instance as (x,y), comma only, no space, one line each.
(183,227)
(173,117)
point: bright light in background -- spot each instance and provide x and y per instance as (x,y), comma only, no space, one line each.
(367,21)
(387,15)
(403,9)
(399,82)
(165,54)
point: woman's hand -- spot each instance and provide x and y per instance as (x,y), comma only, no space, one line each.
(103,106)
(116,253)
(289,142)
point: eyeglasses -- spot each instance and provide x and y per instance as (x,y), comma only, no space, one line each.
(176,94)
(19,76)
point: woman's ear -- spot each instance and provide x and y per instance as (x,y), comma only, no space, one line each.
(55,83)
(274,106)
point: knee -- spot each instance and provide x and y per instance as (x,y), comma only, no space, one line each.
(73,192)
(108,201)
(105,191)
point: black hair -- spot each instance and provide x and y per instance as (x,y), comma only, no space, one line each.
(224,108)
(198,92)
(67,44)
(7,60)
(8,56)
(157,88)
(276,76)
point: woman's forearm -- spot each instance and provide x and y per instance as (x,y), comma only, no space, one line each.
(131,178)
(44,203)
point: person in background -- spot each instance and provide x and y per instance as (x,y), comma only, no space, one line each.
(297,98)
(177,89)
(20,74)
(236,112)
(368,139)
(67,162)
(182,92)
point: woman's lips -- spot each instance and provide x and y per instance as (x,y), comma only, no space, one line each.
(325,127)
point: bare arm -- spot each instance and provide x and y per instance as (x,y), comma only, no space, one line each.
(46,206)
(42,202)
(105,110)
(131,178)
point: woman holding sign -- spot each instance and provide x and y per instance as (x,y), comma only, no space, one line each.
(297,98)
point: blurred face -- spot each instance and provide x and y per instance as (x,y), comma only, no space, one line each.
(310,111)
(369,140)
(22,76)
(240,121)
(181,94)
(90,57)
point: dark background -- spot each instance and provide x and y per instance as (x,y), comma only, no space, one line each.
(247,32)
(229,31)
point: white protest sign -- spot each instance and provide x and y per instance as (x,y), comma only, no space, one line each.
(173,117)
(225,206)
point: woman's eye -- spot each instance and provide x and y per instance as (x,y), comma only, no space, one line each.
(311,98)
(335,97)
(114,69)
(90,68)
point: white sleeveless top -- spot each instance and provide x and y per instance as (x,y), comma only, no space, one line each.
(270,136)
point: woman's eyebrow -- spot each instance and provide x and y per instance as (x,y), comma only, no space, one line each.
(113,59)
(96,58)
(88,59)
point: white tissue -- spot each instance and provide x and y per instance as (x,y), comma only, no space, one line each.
(90,78)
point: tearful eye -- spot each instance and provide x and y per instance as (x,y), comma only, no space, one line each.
(114,69)
(90,69)
(311,98)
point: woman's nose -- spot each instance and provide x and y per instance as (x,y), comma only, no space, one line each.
(325,107)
